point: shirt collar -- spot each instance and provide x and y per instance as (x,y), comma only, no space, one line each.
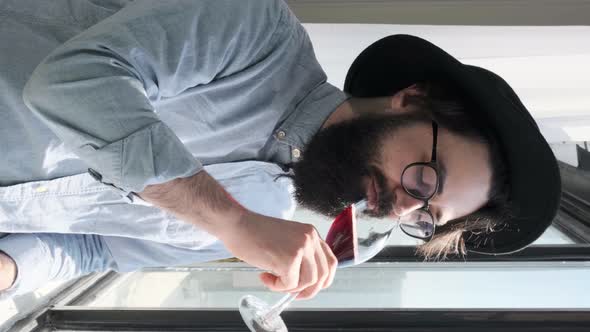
(310,114)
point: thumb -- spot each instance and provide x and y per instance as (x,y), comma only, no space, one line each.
(269,280)
(273,282)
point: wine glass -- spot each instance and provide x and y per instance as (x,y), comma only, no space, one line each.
(355,236)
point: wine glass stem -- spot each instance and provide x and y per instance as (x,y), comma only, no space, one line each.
(279,306)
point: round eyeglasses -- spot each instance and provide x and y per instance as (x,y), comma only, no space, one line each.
(421,181)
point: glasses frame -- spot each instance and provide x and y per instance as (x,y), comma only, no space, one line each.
(434,165)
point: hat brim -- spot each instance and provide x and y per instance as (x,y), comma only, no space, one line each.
(398,61)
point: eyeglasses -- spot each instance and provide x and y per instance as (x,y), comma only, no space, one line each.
(420,180)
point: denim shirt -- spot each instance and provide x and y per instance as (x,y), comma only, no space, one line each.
(161,88)
(71,226)
(142,92)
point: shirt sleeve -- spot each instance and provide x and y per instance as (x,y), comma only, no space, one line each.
(42,258)
(96,91)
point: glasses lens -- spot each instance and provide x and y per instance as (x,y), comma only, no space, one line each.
(420,180)
(419,224)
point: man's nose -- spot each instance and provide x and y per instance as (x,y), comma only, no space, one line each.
(405,204)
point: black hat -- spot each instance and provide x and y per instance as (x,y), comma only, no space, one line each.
(396,62)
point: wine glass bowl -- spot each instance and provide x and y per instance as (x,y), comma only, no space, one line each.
(355,236)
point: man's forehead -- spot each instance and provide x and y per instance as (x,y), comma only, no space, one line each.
(467,178)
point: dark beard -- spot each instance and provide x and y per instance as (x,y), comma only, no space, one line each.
(329,176)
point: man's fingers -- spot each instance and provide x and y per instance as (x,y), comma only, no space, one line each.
(332,263)
(283,282)
(308,273)
(307,265)
(269,280)
(323,274)
(328,266)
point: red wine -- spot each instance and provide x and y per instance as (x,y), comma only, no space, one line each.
(342,237)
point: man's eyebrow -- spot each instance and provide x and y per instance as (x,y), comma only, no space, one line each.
(442,177)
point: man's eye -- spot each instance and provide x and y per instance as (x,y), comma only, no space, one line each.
(424,181)
(420,178)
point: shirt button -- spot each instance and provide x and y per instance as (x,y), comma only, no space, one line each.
(41,189)
(296,153)
(281,134)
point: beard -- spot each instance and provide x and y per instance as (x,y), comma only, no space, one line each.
(338,158)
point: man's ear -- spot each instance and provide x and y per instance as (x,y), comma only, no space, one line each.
(398,101)
(414,90)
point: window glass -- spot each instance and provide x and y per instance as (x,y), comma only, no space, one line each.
(566,151)
(12,309)
(385,285)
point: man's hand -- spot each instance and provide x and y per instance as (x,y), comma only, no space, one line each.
(299,260)
(7,271)
(294,252)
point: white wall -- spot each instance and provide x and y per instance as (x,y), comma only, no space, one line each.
(448,12)
(548,67)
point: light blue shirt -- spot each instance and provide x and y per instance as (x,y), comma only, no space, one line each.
(71,226)
(144,92)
